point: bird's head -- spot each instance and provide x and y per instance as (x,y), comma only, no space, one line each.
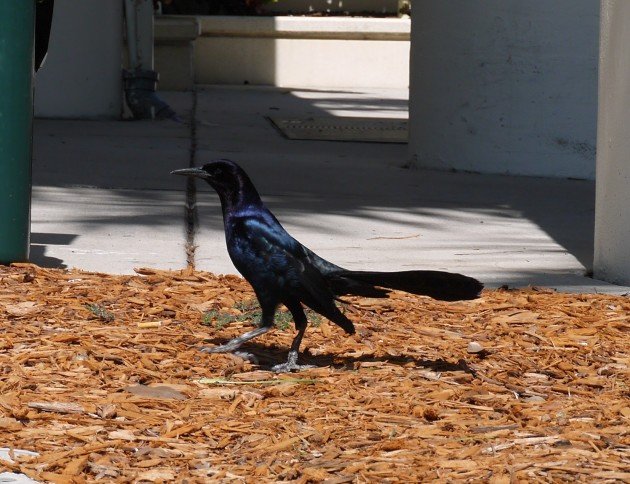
(228,179)
(223,175)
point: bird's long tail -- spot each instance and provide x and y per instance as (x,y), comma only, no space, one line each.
(446,286)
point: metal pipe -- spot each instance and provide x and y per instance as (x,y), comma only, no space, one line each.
(132,33)
(141,80)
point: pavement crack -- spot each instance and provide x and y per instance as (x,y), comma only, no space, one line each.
(192,217)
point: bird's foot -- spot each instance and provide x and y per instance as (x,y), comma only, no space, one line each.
(291,364)
(289,367)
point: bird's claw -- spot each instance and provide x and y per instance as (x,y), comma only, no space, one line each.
(291,364)
(289,367)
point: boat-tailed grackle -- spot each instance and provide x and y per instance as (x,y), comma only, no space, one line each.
(283,271)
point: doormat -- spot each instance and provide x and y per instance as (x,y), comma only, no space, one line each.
(372,130)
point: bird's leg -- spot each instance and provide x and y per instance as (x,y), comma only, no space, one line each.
(266,323)
(292,358)
(237,342)
(300,323)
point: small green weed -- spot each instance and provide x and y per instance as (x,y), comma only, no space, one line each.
(247,305)
(283,320)
(219,318)
(250,313)
(314,318)
(209,316)
(100,312)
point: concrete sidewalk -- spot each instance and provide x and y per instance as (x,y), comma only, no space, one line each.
(103,199)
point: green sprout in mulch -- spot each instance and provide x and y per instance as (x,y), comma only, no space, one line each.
(218,318)
(249,312)
(100,312)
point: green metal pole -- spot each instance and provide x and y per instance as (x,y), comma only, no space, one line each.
(17,22)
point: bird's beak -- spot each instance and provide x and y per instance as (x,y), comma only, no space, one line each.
(196,172)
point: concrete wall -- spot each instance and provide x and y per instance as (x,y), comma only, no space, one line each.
(81,77)
(505,86)
(303,52)
(612,207)
(174,37)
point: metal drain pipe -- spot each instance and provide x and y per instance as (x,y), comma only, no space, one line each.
(140,81)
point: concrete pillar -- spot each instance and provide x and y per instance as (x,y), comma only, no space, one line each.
(505,86)
(612,206)
(82,76)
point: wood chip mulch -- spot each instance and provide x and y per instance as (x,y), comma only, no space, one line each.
(102,376)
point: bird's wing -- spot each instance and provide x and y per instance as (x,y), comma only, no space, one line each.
(283,255)
(267,240)
(290,263)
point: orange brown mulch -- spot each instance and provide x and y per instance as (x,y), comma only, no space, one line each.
(102,376)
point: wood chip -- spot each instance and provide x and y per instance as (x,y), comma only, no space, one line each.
(159,391)
(59,407)
(474,347)
(21,309)
(128,400)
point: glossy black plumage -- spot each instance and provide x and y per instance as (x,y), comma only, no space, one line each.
(283,271)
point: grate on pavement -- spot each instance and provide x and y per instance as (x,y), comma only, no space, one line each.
(374,130)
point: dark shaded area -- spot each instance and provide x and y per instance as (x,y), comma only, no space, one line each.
(38,256)
(255,7)
(40,240)
(211,7)
(267,356)
(43,22)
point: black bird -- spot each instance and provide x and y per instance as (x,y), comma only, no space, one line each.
(283,271)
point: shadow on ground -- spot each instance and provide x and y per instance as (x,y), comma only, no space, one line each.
(39,242)
(303,180)
(268,356)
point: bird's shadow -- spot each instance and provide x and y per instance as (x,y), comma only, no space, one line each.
(266,356)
